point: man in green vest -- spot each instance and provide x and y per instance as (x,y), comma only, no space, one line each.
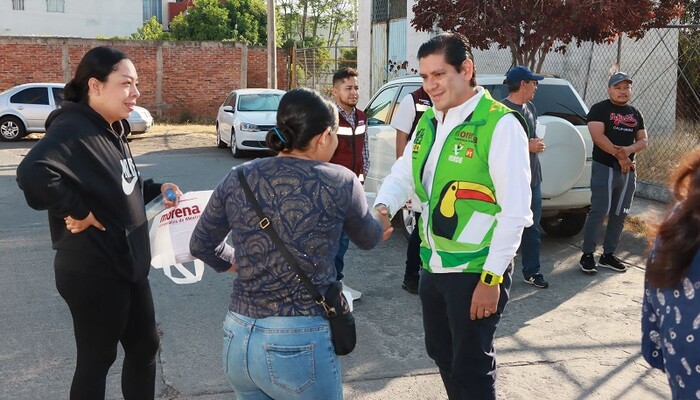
(468,163)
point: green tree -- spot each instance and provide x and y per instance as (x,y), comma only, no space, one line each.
(206,20)
(248,20)
(151,30)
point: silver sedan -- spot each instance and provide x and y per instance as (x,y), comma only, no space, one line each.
(24,109)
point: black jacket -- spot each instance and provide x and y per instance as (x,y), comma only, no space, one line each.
(81,165)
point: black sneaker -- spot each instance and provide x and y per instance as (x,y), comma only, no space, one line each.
(537,280)
(610,261)
(410,283)
(587,263)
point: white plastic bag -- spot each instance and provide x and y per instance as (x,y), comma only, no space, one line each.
(170,234)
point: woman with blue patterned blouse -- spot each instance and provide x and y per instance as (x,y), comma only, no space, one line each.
(671,311)
(277,344)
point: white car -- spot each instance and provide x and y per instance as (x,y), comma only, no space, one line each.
(566,164)
(244,119)
(24,109)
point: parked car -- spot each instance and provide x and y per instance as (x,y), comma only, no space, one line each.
(566,164)
(244,119)
(24,109)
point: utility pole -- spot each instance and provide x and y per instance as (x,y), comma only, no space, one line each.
(271,46)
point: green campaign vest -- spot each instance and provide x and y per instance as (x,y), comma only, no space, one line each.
(457,228)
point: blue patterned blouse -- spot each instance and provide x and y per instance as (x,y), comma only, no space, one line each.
(670,328)
(308,203)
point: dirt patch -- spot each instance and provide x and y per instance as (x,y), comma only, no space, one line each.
(171,137)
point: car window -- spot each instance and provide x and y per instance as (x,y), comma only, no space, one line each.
(378,111)
(36,95)
(57,95)
(259,102)
(230,100)
(405,90)
(556,100)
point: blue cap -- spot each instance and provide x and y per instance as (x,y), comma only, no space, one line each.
(521,73)
(619,77)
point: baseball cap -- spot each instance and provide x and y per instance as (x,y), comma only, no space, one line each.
(521,73)
(619,77)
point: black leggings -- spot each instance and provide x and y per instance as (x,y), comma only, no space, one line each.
(107,311)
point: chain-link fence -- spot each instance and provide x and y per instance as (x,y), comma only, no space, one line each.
(665,67)
(314,67)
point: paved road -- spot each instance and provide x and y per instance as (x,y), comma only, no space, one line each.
(579,339)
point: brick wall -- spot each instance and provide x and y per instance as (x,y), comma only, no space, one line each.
(177,79)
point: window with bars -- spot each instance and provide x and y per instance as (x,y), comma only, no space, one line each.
(18,4)
(58,6)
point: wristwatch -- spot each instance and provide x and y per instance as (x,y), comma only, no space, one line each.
(490,279)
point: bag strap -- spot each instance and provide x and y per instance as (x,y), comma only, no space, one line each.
(267,228)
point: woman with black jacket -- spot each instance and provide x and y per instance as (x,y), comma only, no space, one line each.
(83,173)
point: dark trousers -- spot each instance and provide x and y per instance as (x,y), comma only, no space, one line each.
(413,262)
(107,312)
(461,348)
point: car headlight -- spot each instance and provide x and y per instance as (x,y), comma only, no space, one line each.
(249,127)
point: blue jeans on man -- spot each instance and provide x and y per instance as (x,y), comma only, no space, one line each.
(531,240)
(343,245)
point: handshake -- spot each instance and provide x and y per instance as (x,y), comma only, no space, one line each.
(381,213)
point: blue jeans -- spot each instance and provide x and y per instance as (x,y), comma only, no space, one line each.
(281,358)
(340,256)
(530,244)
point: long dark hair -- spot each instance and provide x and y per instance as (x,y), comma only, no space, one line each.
(97,63)
(679,235)
(302,114)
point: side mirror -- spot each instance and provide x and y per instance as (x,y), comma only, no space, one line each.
(228,109)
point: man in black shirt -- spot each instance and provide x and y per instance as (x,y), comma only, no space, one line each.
(617,130)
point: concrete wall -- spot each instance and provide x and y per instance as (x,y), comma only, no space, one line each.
(81,18)
(176,79)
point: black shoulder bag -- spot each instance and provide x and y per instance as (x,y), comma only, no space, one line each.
(335,307)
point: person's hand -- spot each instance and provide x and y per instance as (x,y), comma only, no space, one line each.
(79,225)
(626,165)
(381,214)
(169,203)
(484,301)
(536,145)
(234,268)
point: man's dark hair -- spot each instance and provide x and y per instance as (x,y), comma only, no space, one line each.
(454,46)
(513,87)
(344,73)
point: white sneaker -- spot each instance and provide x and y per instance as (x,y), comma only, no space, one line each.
(356,294)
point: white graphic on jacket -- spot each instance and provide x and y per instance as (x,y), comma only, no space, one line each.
(129,177)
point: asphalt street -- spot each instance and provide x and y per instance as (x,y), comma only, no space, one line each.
(579,339)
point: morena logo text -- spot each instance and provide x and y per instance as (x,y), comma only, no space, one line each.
(180,213)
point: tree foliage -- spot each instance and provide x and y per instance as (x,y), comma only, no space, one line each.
(151,30)
(533,28)
(206,20)
(300,20)
(248,20)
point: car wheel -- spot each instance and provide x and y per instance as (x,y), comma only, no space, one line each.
(563,224)
(408,221)
(235,151)
(219,143)
(11,129)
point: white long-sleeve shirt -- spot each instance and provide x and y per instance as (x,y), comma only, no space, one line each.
(509,167)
